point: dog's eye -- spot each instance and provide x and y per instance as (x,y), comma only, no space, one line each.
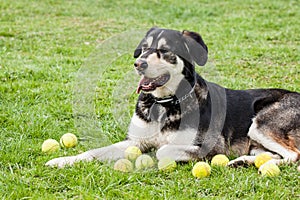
(145,48)
(169,57)
(163,51)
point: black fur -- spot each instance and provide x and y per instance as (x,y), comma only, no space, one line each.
(177,41)
(241,105)
(200,119)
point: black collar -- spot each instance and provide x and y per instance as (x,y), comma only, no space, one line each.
(174,100)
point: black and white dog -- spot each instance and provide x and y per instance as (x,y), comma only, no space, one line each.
(186,118)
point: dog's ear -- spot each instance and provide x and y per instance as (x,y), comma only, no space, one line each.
(138,49)
(197,47)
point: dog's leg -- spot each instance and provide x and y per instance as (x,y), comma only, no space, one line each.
(269,143)
(178,152)
(108,153)
(286,150)
(276,128)
(249,159)
(242,161)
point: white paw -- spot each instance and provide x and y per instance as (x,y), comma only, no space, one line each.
(240,161)
(61,162)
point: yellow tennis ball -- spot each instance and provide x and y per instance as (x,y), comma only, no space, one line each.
(261,159)
(132,152)
(68,140)
(220,160)
(123,165)
(144,161)
(50,145)
(166,164)
(269,169)
(201,170)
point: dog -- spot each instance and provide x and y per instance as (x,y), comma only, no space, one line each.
(184,117)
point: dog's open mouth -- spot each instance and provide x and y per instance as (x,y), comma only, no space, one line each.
(149,84)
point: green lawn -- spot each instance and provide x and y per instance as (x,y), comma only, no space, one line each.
(45,47)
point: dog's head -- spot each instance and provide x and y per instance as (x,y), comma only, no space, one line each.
(165,58)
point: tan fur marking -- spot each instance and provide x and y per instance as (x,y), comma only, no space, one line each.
(289,143)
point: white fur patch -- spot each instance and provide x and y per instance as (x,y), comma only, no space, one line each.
(177,152)
(149,133)
(149,41)
(140,130)
(161,42)
(184,137)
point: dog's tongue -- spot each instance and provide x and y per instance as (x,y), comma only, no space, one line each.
(150,84)
(146,84)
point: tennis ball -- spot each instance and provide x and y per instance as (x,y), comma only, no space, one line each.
(166,164)
(132,152)
(68,140)
(260,159)
(123,165)
(201,170)
(220,160)
(143,162)
(50,145)
(269,169)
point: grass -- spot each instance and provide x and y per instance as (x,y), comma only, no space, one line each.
(45,44)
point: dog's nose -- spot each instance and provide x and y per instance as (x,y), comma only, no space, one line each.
(140,65)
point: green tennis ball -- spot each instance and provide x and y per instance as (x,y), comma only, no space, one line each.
(132,152)
(219,160)
(68,140)
(201,170)
(269,169)
(50,145)
(143,162)
(123,165)
(166,164)
(261,159)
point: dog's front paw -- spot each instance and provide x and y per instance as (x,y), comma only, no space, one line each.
(61,162)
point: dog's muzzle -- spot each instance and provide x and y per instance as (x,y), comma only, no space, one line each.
(149,84)
(140,66)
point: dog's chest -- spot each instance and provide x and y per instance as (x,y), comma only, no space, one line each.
(164,130)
